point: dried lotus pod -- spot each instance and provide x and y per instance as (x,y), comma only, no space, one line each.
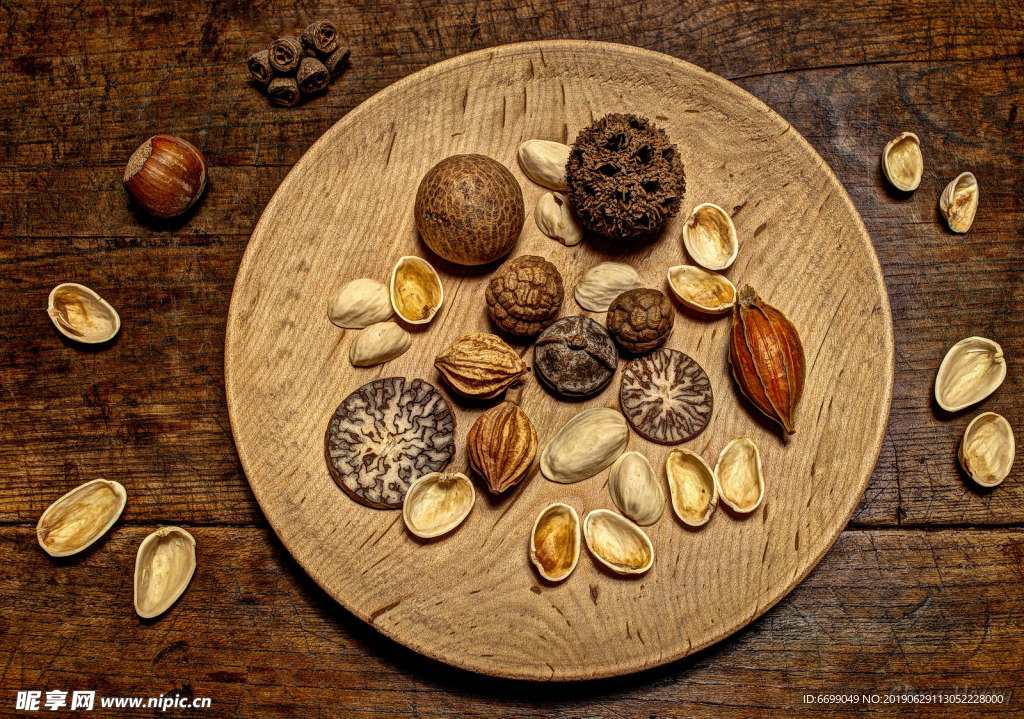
(987,449)
(617,543)
(80,517)
(525,295)
(164,566)
(480,365)
(437,503)
(555,542)
(640,320)
(666,396)
(502,444)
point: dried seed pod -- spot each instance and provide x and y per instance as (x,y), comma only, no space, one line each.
(378,343)
(666,396)
(634,489)
(902,162)
(739,477)
(525,295)
(78,518)
(691,482)
(360,303)
(416,290)
(701,290)
(312,76)
(502,444)
(585,445)
(601,284)
(259,66)
(543,161)
(555,542)
(575,357)
(437,503)
(767,358)
(386,434)
(987,449)
(959,202)
(321,36)
(480,365)
(555,218)
(284,91)
(285,54)
(972,370)
(337,61)
(81,315)
(710,237)
(617,543)
(640,320)
(164,566)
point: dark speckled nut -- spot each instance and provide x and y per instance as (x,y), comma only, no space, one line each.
(640,320)
(575,357)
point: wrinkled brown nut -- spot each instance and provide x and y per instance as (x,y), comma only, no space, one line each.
(480,365)
(525,295)
(502,444)
(640,320)
(575,357)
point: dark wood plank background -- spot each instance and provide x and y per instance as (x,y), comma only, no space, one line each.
(922,592)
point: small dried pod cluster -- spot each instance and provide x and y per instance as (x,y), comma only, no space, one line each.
(959,202)
(480,365)
(77,519)
(987,449)
(738,472)
(585,445)
(360,303)
(81,315)
(164,566)
(710,237)
(416,290)
(165,176)
(701,290)
(635,490)
(692,486)
(544,161)
(378,343)
(972,369)
(502,445)
(555,542)
(617,543)
(555,218)
(767,358)
(437,503)
(902,163)
(293,68)
(601,284)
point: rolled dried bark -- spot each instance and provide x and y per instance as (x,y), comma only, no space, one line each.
(312,76)
(259,66)
(321,37)
(285,54)
(283,91)
(337,61)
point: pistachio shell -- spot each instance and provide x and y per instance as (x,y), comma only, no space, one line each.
(692,484)
(436,503)
(635,490)
(80,517)
(80,314)
(972,370)
(959,202)
(987,449)
(738,473)
(555,542)
(617,543)
(360,303)
(416,290)
(164,567)
(902,162)
(602,283)
(555,218)
(701,290)
(378,343)
(710,237)
(544,161)
(585,445)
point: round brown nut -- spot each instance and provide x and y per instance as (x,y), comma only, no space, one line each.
(666,396)
(525,295)
(640,320)
(469,209)
(575,357)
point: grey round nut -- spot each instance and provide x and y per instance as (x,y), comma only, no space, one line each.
(575,357)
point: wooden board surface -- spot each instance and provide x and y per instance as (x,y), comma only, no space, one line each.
(471,599)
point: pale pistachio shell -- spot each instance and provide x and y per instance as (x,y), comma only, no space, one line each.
(77,519)
(164,566)
(959,202)
(972,370)
(739,477)
(80,314)
(691,482)
(555,218)
(601,284)
(701,290)
(437,503)
(378,343)
(617,543)
(710,237)
(585,445)
(987,449)
(544,161)
(634,489)
(902,162)
(360,303)
(555,541)
(416,290)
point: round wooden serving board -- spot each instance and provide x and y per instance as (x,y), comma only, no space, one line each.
(472,598)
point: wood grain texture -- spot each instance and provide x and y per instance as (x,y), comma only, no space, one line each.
(803,248)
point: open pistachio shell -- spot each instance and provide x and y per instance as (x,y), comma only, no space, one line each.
(617,543)
(902,163)
(710,237)
(416,290)
(738,473)
(80,314)
(80,517)
(585,445)
(701,290)
(437,503)
(555,542)
(987,449)
(692,485)
(959,202)
(972,370)
(164,567)
(635,490)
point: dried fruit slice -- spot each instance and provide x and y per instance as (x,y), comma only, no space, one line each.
(666,396)
(386,434)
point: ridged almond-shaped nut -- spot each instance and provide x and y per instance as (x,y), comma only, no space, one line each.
(972,369)
(80,517)
(81,315)
(555,218)
(502,444)
(739,477)
(987,449)
(710,237)
(437,503)
(959,202)
(691,482)
(416,290)
(360,303)
(555,542)
(585,445)
(617,543)
(480,365)
(634,489)
(602,283)
(378,343)
(544,161)
(164,567)
(902,163)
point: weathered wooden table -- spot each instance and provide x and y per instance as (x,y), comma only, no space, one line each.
(922,591)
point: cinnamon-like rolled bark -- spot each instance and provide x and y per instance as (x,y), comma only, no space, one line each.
(337,61)
(283,91)
(321,37)
(312,76)
(259,66)
(285,54)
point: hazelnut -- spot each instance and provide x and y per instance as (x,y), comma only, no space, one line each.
(165,176)
(640,320)
(525,295)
